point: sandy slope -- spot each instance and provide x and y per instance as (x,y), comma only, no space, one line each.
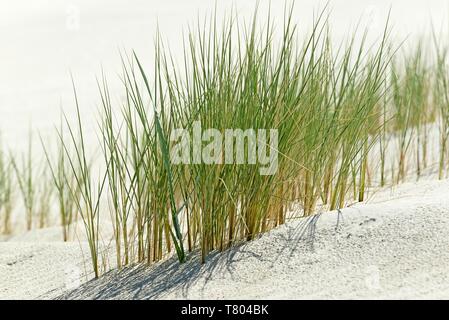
(394,247)
(40,270)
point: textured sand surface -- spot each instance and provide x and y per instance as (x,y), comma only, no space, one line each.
(41,270)
(394,247)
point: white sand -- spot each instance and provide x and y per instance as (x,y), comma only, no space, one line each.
(40,270)
(394,246)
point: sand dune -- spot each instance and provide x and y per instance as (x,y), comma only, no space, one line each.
(394,246)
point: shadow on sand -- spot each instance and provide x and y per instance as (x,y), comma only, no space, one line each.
(144,282)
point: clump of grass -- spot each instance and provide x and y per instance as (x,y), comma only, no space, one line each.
(35,187)
(25,176)
(411,109)
(6,192)
(85,192)
(322,105)
(118,178)
(441,101)
(329,107)
(425,110)
(138,172)
(384,134)
(44,197)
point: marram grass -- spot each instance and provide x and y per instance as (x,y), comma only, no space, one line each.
(64,183)
(25,176)
(333,109)
(323,104)
(6,192)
